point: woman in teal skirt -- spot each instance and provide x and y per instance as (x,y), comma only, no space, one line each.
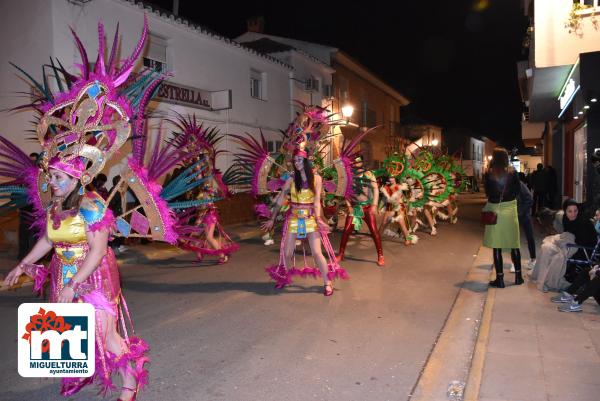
(501,189)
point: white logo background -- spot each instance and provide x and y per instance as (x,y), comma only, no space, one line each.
(56,367)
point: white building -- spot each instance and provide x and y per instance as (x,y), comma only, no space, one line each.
(242,90)
(311,78)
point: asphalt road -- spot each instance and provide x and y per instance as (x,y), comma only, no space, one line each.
(224,333)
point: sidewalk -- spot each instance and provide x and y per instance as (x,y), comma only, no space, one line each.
(528,351)
(532,352)
(512,344)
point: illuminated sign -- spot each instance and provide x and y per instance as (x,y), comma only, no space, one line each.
(569,88)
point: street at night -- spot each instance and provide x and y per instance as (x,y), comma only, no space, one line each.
(273,201)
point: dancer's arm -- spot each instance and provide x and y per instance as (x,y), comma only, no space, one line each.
(317,203)
(268,225)
(375,189)
(42,247)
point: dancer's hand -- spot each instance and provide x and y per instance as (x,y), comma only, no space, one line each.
(66,295)
(267,225)
(323,227)
(13,276)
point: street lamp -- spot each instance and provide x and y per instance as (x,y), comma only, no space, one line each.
(435,142)
(347,111)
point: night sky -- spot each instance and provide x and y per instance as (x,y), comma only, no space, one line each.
(456,60)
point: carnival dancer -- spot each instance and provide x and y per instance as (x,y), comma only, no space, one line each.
(84,269)
(304,186)
(304,219)
(80,129)
(396,210)
(363,207)
(199,226)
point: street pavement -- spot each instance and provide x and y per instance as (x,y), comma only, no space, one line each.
(222,332)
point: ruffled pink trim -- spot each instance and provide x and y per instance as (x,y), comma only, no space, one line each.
(98,299)
(262,210)
(280,275)
(154,189)
(107,222)
(136,354)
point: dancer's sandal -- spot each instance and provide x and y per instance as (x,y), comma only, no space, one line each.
(223,259)
(133,397)
(328,289)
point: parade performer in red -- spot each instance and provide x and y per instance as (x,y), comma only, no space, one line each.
(363,208)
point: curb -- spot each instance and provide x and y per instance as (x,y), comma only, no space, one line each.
(450,363)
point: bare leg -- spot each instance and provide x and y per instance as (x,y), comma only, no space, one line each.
(314,240)
(288,250)
(210,238)
(115,344)
(429,218)
(401,219)
(384,222)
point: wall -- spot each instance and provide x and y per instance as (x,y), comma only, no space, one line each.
(196,59)
(28,45)
(554,45)
(387,109)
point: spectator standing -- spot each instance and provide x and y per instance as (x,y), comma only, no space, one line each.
(539,183)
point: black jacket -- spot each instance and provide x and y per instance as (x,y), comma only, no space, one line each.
(505,187)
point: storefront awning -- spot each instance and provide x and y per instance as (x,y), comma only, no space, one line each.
(546,86)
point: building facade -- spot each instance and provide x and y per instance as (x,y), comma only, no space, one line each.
(560,87)
(226,85)
(374,103)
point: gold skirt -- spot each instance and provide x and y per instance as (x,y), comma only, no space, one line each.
(302,221)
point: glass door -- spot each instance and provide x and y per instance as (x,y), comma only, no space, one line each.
(580,161)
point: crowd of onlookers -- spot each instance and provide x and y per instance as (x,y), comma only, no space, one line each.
(567,260)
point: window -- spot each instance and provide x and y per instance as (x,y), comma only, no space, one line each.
(343,89)
(312,84)
(156,54)
(258,84)
(274,146)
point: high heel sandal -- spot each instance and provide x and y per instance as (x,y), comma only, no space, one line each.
(135,392)
(223,259)
(328,292)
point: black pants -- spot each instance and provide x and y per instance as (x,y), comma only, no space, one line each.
(525,222)
(515,255)
(539,201)
(583,287)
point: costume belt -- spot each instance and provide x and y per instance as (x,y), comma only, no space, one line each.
(358,214)
(301,214)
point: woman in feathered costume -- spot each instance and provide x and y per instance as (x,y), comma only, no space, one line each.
(79,130)
(199,237)
(304,187)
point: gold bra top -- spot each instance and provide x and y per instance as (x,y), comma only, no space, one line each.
(72,229)
(306,195)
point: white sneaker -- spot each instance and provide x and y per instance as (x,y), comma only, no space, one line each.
(266,237)
(269,242)
(512,267)
(531,264)
(122,249)
(433,231)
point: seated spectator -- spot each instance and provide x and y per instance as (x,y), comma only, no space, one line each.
(551,266)
(587,284)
